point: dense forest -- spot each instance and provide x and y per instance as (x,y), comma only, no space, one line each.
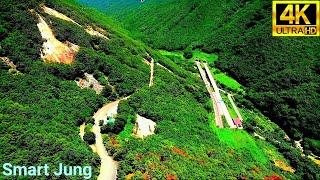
(38,108)
(113,5)
(280,73)
(41,107)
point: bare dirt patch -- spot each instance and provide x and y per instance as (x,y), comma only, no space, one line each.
(53,50)
(82,127)
(180,152)
(13,67)
(144,127)
(90,82)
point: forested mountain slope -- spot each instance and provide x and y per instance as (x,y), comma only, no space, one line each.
(114,6)
(42,107)
(281,73)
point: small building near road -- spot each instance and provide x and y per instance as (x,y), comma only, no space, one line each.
(237,122)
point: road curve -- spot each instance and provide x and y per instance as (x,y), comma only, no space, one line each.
(108,167)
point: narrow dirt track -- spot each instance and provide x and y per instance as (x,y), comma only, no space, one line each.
(164,67)
(57,14)
(89,29)
(108,168)
(151,72)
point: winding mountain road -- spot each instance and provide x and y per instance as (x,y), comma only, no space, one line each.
(151,72)
(108,168)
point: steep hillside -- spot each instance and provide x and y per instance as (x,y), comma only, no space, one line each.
(49,109)
(171,24)
(114,6)
(281,74)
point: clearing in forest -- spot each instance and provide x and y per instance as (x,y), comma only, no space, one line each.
(53,50)
(144,127)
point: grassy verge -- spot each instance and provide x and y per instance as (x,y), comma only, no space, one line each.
(221,77)
(126,134)
(232,112)
(242,142)
(197,54)
(169,54)
(227,81)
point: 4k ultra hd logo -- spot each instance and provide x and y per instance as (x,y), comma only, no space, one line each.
(295,18)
